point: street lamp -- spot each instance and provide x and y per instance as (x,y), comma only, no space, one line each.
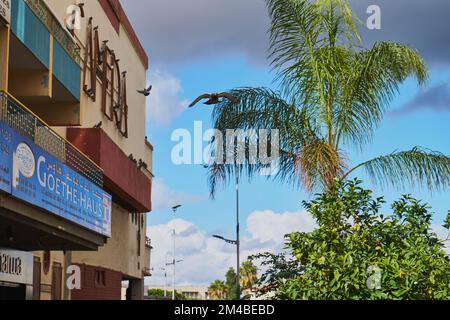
(233,242)
(174,262)
(236,243)
(214,99)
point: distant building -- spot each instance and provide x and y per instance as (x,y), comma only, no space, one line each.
(190,292)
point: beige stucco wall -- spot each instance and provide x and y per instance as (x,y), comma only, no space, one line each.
(136,78)
(46,279)
(121,252)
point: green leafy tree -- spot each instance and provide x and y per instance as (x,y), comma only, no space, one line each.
(278,269)
(357,253)
(159,293)
(333,94)
(231,282)
(218,290)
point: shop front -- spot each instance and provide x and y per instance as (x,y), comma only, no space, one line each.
(16,275)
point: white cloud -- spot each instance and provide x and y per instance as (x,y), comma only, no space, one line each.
(165,198)
(205,258)
(442,234)
(165,103)
(266,226)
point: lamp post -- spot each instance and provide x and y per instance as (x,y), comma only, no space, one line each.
(165,280)
(237,241)
(238,267)
(174,262)
(214,99)
(173,279)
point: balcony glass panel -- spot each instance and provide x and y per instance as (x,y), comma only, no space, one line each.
(30,31)
(66,70)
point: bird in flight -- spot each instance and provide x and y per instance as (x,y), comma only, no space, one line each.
(146,92)
(214,98)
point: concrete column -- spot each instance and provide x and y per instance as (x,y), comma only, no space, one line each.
(4,56)
(136,288)
(67,263)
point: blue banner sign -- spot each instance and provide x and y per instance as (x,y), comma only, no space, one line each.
(5,157)
(34,176)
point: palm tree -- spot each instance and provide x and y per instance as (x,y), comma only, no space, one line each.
(249,275)
(333,95)
(218,290)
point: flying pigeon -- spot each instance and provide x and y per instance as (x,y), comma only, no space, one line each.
(214,98)
(146,92)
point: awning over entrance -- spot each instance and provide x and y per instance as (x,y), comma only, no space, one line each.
(23,227)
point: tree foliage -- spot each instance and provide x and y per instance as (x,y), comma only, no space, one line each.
(358,253)
(159,294)
(218,290)
(231,282)
(249,275)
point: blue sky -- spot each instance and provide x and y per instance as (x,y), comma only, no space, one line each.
(426,128)
(204,56)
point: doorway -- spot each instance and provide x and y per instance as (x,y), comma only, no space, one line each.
(12,292)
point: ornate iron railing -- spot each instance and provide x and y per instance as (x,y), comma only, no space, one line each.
(53,25)
(29,125)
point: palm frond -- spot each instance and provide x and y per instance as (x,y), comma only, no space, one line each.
(299,29)
(258,109)
(369,84)
(416,167)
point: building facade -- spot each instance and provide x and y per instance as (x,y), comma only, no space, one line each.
(190,292)
(75,166)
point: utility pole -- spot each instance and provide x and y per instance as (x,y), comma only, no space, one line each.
(238,267)
(174,262)
(165,280)
(237,241)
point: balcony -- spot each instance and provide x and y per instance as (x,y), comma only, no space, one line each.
(147,272)
(44,67)
(25,122)
(43,13)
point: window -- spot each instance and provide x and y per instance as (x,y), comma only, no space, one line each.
(46,262)
(37,278)
(57,281)
(135,219)
(100,278)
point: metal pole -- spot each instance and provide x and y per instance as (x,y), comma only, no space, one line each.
(165,277)
(174,262)
(238,268)
(165,283)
